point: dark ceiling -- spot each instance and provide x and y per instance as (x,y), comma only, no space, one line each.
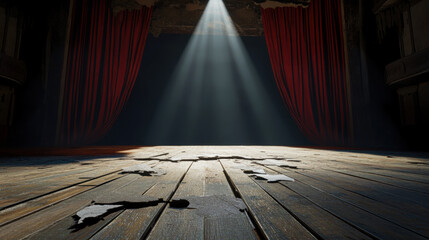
(181,16)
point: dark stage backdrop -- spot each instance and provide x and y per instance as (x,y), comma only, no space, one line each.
(160,58)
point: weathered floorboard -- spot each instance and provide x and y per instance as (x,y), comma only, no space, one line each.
(323,224)
(272,218)
(361,219)
(203,179)
(134,191)
(403,218)
(23,209)
(48,216)
(32,189)
(336,195)
(143,219)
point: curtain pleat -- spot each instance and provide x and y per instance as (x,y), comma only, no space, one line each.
(305,46)
(104,58)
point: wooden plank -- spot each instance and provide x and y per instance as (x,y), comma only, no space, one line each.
(35,189)
(134,191)
(361,219)
(122,228)
(322,223)
(18,185)
(24,209)
(205,178)
(31,191)
(413,177)
(39,174)
(409,181)
(386,194)
(385,159)
(43,172)
(400,169)
(12,174)
(274,221)
(386,164)
(407,184)
(402,218)
(45,217)
(50,168)
(27,162)
(159,152)
(410,173)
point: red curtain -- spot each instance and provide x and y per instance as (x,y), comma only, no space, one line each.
(306,51)
(104,58)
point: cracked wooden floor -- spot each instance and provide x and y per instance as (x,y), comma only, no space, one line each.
(336,194)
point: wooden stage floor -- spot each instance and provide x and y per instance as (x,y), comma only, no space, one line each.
(334,195)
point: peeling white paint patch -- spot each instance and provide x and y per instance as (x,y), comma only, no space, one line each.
(274,178)
(250,170)
(94,211)
(204,158)
(143,169)
(273,162)
(176,159)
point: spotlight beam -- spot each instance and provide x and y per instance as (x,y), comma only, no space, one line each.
(211,88)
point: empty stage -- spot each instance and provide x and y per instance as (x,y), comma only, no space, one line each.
(335,194)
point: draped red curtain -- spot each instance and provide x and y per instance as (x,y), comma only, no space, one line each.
(105,52)
(306,50)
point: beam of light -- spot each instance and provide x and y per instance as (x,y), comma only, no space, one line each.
(205,100)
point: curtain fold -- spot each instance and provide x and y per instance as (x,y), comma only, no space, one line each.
(105,53)
(305,46)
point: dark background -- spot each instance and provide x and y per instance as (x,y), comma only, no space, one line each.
(161,56)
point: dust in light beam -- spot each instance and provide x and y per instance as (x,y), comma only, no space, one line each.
(213,81)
